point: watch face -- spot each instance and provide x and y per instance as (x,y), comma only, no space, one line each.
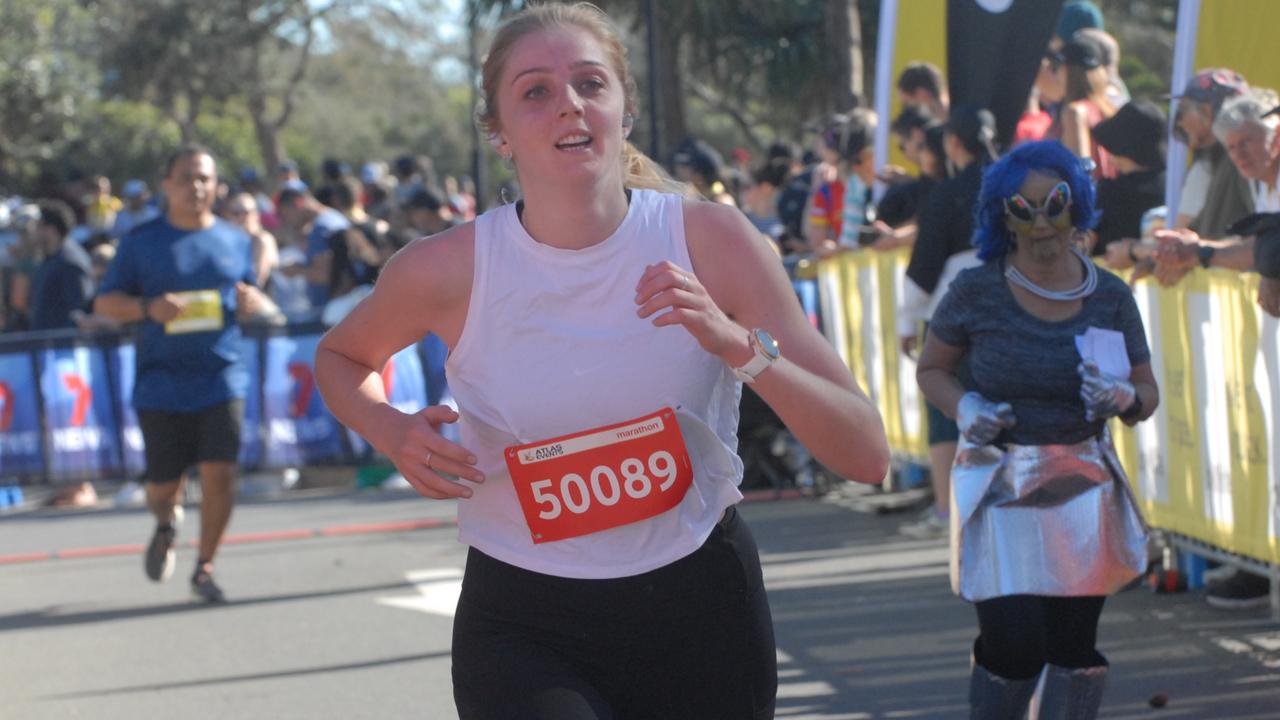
(767,344)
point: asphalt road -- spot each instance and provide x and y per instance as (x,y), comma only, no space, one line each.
(342,608)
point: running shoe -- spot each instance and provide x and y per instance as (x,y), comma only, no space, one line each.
(160,557)
(203,587)
(929,526)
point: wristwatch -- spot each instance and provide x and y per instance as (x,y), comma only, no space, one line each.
(1206,255)
(766,354)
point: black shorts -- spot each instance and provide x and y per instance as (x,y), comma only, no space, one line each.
(689,641)
(177,440)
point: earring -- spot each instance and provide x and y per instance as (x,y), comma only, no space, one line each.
(628,121)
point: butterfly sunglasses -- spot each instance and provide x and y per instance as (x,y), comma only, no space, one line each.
(1056,208)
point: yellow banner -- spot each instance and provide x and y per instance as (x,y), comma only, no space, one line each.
(921,37)
(1241,35)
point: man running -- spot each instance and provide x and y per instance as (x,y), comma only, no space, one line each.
(187,277)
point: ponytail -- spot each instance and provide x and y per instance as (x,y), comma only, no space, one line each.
(640,172)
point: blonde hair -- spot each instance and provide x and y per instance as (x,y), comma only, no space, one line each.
(638,170)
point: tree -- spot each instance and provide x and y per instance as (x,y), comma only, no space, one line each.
(44,84)
(765,64)
(183,57)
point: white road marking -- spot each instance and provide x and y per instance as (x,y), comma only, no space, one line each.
(438,591)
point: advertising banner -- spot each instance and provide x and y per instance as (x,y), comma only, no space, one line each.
(80,422)
(19,417)
(299,428)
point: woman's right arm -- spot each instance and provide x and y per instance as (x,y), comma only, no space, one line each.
(936,374)
(424,288)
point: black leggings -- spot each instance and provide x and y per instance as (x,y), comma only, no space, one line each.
(1018,634)
(692,640)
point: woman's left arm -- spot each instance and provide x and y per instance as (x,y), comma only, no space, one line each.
(1075,130)
(738,285)
(1144,386)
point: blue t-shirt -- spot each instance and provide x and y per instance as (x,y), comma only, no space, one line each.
(326,224)
(185,371)
(1016,357)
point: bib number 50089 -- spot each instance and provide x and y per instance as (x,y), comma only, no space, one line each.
(601,478)
(576,494)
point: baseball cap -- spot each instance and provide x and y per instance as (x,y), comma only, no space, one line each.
(134,188)
(1083,51)
(1136,131)
(1213,86)
(372,172)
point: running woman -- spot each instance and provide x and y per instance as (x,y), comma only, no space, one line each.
(598,331)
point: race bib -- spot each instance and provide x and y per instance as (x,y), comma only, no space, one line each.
(203,312)
(601,478)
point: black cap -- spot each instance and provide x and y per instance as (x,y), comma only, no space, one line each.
(424,199)
(1083,51)
(1136,131)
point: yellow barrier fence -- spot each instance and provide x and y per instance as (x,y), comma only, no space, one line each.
(1204,466)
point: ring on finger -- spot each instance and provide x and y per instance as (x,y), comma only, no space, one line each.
(428,460)
(684,281)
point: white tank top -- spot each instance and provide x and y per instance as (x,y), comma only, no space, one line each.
(552,345)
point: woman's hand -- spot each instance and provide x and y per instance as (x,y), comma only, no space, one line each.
(1105,396)
(667,285)
(981,420)
(423,456)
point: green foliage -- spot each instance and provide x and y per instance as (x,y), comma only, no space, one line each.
(123,139)
(1142,83)
(44,85)
(228,132)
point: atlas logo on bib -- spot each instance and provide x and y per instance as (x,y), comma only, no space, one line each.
(601,478)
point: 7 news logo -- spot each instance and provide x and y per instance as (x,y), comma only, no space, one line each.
(78,434)
(83,393)
(304,385)
(6,407)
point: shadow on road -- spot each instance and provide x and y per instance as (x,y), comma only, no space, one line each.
(66,615)
(255,677)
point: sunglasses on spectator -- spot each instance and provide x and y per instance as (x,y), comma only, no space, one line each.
(1055,60)
(1056,208)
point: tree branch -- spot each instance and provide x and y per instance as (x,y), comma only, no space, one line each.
(740,117)
(299,73)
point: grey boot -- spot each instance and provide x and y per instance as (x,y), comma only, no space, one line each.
(992,697)
(1070,693)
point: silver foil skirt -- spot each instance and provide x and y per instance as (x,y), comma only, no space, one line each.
(1054,520)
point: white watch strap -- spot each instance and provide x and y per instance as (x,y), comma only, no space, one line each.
(756,365)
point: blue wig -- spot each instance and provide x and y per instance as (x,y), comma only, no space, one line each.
(1005,177)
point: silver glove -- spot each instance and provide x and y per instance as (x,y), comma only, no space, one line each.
(1105,396)
(981,420)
